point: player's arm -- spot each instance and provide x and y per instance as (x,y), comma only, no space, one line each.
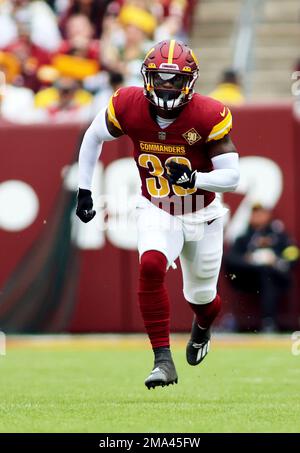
(225,160)
(102,129)
(225,174)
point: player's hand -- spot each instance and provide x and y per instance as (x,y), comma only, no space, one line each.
(181,175)
(85,205)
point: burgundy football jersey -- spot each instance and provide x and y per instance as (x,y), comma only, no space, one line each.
(203,119)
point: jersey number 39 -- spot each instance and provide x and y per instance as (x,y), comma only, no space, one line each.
(158,186)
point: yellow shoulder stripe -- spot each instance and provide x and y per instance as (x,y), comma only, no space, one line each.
(111,114)
(221,129)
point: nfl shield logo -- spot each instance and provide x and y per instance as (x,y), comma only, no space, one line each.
(162,135)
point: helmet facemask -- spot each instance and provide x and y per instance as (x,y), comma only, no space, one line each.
(168,89)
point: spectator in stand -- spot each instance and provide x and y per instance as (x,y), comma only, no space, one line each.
(78,56)
(260,262)
(93,9)
(44,32)
(101,99)
(30,56)
(113,35)
(170,28)
(127,56)
(16,103)
(65,101)
(79,38)
(229,90)
(172,21)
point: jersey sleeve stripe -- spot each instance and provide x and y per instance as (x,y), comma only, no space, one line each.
(221,129)
(112,115)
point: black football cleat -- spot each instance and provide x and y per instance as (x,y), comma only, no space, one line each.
(164,371)
(163,374)
(198,345)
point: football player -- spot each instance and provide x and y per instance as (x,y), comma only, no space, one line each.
(185,159)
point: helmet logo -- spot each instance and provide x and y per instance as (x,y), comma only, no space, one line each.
(191,136)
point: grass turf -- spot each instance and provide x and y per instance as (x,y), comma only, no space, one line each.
(240,387)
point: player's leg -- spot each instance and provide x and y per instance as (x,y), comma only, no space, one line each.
(155,309)
(160,240)
(201,262)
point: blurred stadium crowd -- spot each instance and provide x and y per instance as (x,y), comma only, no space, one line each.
(62,59)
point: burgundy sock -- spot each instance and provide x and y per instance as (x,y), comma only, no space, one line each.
(207,313)
(153,298)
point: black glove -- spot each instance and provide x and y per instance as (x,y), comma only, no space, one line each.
(85,205)
(181,175)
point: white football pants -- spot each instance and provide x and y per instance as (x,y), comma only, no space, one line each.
(198,243)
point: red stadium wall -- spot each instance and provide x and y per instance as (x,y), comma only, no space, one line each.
(50,283)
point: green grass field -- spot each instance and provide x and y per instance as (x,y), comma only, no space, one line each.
(246,384)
